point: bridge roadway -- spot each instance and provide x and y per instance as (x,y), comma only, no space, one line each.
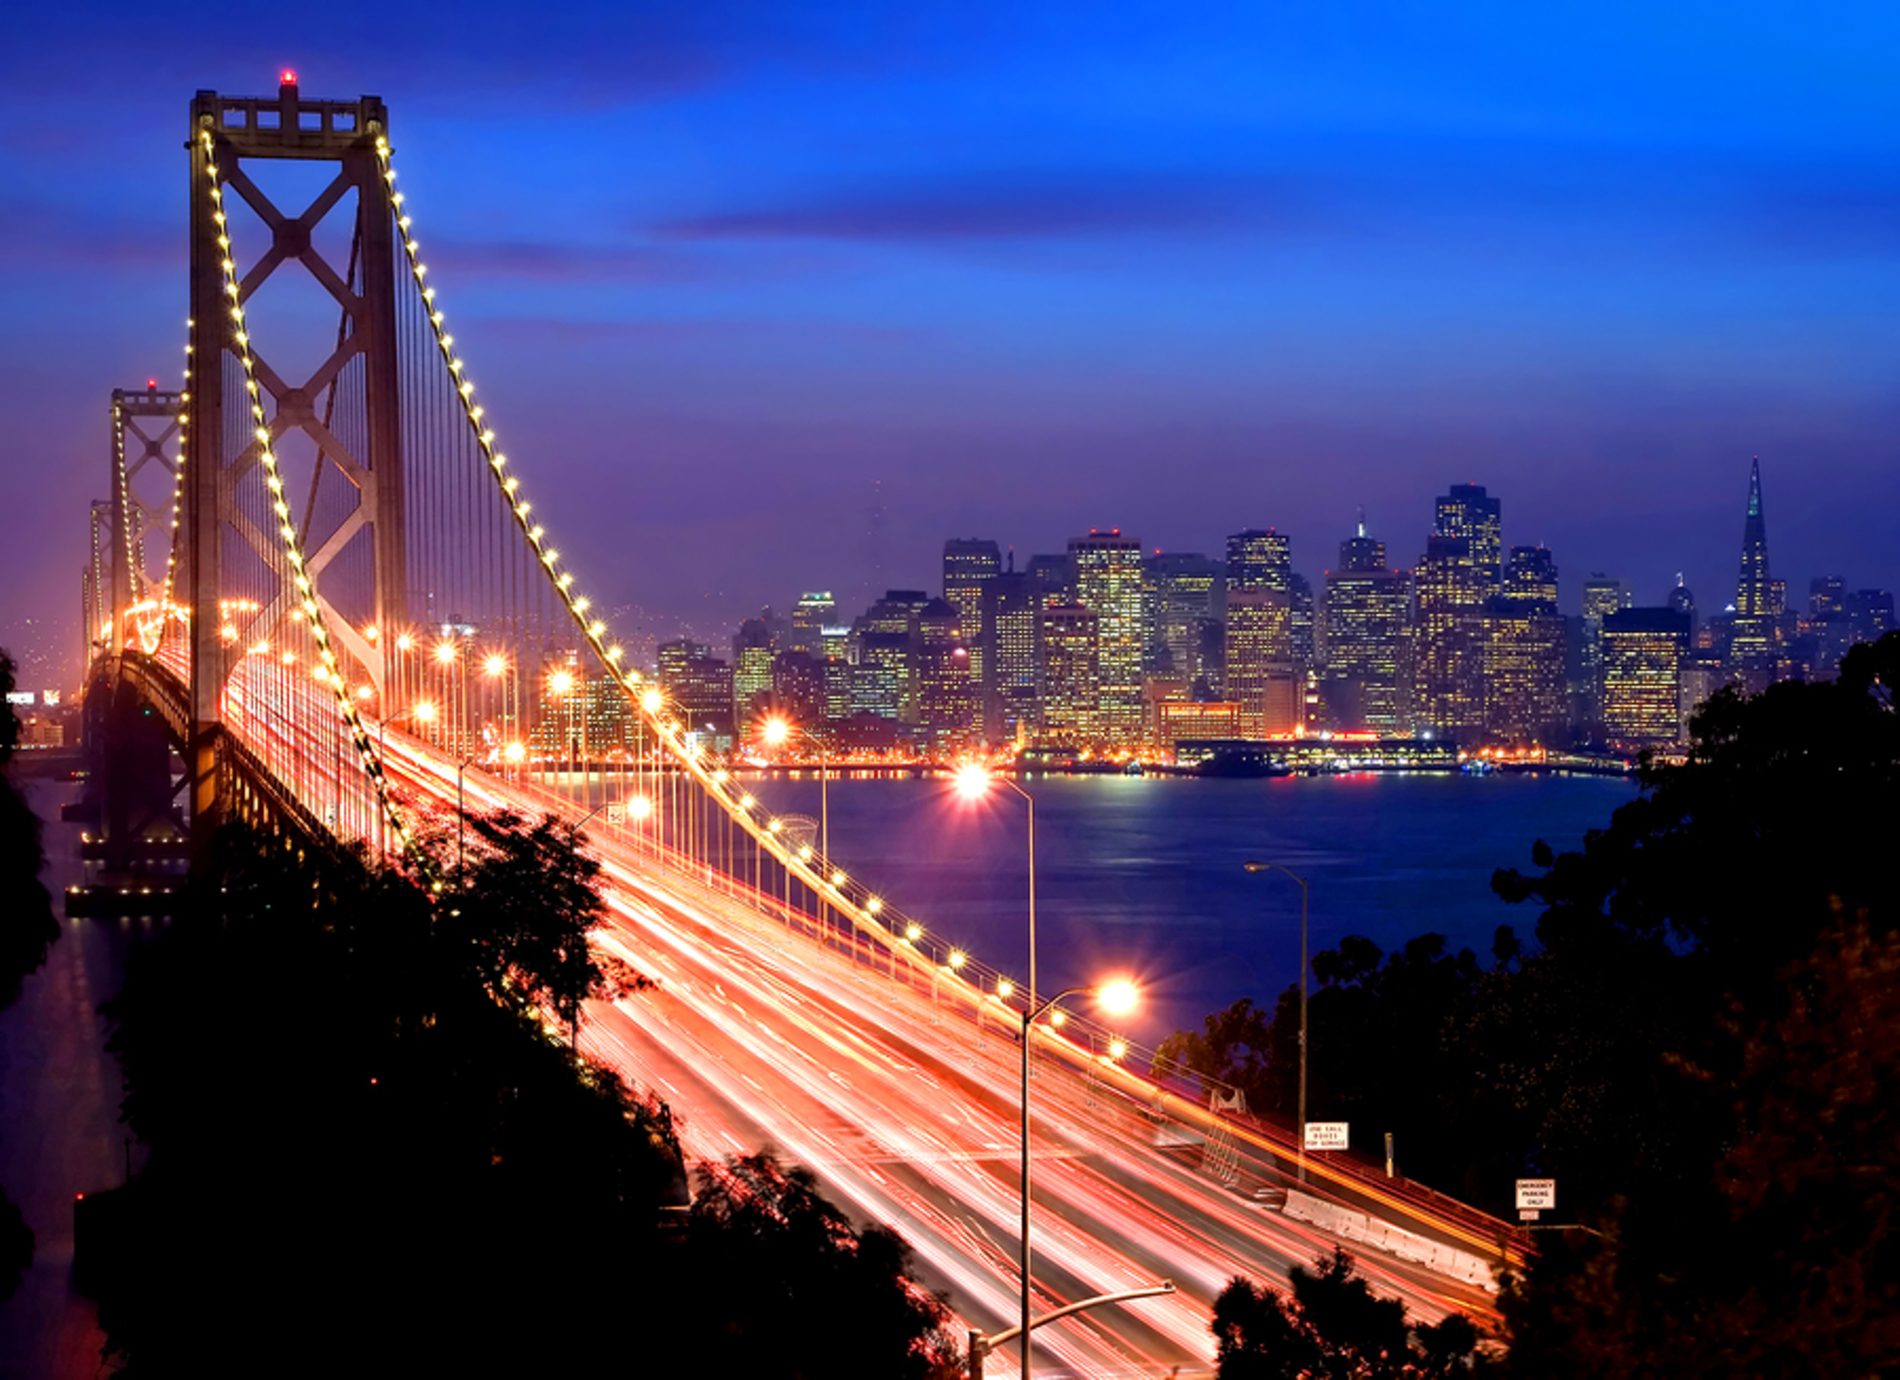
(908,1113)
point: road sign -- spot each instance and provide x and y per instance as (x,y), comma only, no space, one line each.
(1528,1214)
(617,813)
(1536,1194)
(1326,1135)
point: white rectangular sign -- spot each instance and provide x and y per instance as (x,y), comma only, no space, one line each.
(1326,1135)
(616,813)
(1540,1194)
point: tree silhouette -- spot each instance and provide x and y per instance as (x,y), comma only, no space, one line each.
(1333,1326)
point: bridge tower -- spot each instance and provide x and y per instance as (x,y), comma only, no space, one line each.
(221,445)
(144,422)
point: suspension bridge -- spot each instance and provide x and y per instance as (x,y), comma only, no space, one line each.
(321,600)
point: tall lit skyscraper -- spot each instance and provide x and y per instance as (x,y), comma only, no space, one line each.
(1071,685)
(1108,584)
(1468,512)
(1365,638)
(1603,595)
(1260,674)
(946,692)
(1448,640)
(1524,645)
(1755,636)
(752,651)
(814,609)
(1188,590)
(1643,651)
(1013,618)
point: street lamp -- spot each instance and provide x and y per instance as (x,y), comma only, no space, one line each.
(972,783)
(1300,1158)
(1117,998)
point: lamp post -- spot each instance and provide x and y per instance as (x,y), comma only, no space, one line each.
(460,815)
(972,782)
(1117,998)
(1299,1159)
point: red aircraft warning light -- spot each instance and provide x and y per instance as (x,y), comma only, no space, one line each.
(290,76)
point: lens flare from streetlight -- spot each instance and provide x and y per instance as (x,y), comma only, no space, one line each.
(424,712)
(514,752)
(560,683)
(639,807)
(1117,1048)
(972,781)
(958,958)
(1118,998)
(651,701)
(774,732)
(444,653)
(495,665)
(1005,988)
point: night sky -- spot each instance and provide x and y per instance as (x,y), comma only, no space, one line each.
(731,276)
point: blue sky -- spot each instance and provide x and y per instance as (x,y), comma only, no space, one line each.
(729,275)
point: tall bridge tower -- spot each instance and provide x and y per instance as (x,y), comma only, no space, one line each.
(234,525)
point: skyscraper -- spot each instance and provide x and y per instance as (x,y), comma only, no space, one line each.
(946,691)
(1071,686)
(1448,640)
(1468,512)
(1108,584)
(969,565)
(1755,635)
(1260,674)
(814,609)
(1603,595)
(753,648)
(1188,590)
(1365,640)
(1013,617)
(1524,646)
(1642,676)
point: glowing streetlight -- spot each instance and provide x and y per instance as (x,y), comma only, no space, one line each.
(444,653)
(495,665)
(1117,997)
(639,807)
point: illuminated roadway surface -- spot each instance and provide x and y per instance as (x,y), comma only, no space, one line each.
(760,1037)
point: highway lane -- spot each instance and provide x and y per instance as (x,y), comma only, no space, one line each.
(762,1036)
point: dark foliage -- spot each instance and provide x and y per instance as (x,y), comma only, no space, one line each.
(27,931)
(369,1157)
(1333,1326)
(360,1160)
(777,1285)
(27,926)
(1692,1048)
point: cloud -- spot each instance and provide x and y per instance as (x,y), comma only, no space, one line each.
(545,262)
(1013,207)
(40,232)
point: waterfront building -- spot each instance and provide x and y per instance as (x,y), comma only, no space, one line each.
(1179,721)
(1643,651)
(1365,640)
(969,565)
(1525,640)
(698,685)
(1071,686)
(753,648)
(1108,584)
(798,691)
(1448,640)
(1260,675)
(1012,621)
(1189,593)
(1602,596)
(946,689)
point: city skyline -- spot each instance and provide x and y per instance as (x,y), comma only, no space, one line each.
(973,274)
